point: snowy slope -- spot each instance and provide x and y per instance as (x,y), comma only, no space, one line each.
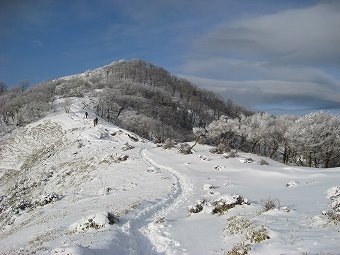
(68,187)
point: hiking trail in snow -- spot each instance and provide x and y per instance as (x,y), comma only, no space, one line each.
(147,228)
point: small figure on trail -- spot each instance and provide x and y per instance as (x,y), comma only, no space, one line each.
(95,122)
(86,114)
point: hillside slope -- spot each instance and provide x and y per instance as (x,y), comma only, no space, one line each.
(135,95)
(68,187)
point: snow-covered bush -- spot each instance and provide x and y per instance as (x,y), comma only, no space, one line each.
(169,143)
(93,222)
(47,199)
(333,193)
(291,183)
(258,235)
(200,135)
(203,157)
(196,208)
(238,225)
(220,149)
(218,204)
(23,205)
(246,160)
(333,216)
(334,212)
(127,146)
(269,204)
(185,148)
(239,249)
(208,186)
(263,162)
(113,219)
(31,111)
(224,203)
(230,154)
(116,158)
(247,230)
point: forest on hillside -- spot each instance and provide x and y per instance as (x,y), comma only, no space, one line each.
(159,106)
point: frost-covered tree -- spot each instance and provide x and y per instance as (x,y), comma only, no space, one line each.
(283,124)
(3,87)
(314,139)
(11,102)
(225,131)
(24,85)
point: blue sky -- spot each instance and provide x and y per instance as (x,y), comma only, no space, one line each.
(277,56)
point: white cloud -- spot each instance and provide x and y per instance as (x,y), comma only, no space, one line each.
(289,57)
(310,35)
(253,93)
(237,69)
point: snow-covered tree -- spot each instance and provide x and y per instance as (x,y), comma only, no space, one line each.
(314,139)
(3,87)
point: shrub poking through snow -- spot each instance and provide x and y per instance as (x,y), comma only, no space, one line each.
(48,198)
(334,213)
(127,147)
(259,235)
(246,160)
(225,203)
(23,205)
(160,220)
(133,138)
(239,249)
(333,216)
(121,158)
(169,143)
(218,204)
(230,154)
(40,201)
(203,157)
(291,183)
(113,219)
(247,229)
(220,149)
(117,158)
(269,204)
(238,225)
(208,186)
(333,193)
(196,208)
(263,162)
(93,222)
(185,149)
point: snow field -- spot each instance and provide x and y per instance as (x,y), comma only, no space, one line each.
(68,187)
(293,227)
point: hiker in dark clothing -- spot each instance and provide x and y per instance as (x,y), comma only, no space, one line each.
(95,122)
(86,114)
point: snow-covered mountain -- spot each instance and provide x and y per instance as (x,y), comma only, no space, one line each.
(69,187)
(135,95)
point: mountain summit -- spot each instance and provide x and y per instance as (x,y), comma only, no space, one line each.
(135,95)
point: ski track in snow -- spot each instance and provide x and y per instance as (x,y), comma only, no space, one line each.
(147,235)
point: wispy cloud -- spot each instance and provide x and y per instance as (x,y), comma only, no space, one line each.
(36,43)
(273,93)
(300,36)
(289,56)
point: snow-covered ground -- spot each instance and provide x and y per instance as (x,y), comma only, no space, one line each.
(68,187)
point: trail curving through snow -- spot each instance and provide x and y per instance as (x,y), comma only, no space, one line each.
(145,233)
